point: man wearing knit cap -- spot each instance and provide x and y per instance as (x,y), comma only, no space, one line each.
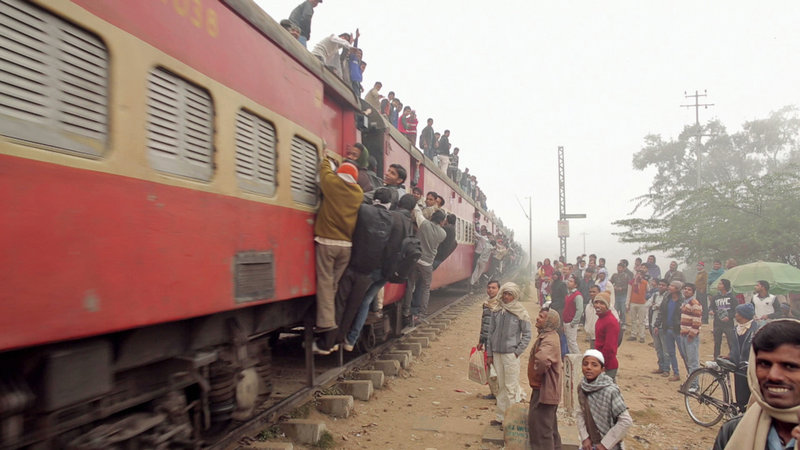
(606,332)
(773,375)
(721,307)
(333,231)
(669,325)
(745,329)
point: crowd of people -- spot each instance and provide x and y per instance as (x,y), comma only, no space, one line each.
(760,328)
(343,57)
(367,238)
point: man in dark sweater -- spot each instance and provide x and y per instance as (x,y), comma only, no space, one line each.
(669,325)
(449,244)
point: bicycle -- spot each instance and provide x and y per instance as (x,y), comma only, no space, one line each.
(711,399)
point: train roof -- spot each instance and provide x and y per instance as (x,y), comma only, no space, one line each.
(251,13)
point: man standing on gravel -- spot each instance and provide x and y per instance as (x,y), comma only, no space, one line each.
(545,377)
(509,336)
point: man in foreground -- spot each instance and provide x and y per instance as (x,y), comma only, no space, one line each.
(774,378)
(545,378)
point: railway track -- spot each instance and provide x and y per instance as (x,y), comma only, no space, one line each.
(323,373)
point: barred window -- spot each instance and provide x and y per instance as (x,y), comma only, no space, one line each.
(180,126)
(305,163)
(255,153)
(53,80)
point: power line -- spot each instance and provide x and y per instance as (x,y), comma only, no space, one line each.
(698,134)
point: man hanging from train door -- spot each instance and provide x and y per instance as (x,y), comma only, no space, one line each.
(333,234)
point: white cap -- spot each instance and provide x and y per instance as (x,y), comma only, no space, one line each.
(595,354)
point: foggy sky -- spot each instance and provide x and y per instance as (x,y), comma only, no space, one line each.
(514,80)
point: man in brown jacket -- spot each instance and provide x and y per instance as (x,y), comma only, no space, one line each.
(544,376)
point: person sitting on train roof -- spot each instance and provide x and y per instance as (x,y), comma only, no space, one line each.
(359,155)
(370,238)
(449,244)
(327,51)
(291,27)
(373,97)
(401,228)
(418,289)
(464,182)
(401,121)
(301,15)
(333,231)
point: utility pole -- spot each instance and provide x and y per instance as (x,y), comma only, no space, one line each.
(563,223)
(584,241)
(698,134)
(529,216)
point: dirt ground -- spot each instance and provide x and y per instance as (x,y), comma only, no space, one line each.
(433,405)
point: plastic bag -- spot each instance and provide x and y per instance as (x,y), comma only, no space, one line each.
(477,366)
(494,387)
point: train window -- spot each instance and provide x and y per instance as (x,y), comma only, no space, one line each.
(54,82)
(180,126)
(305,161)
(255,153)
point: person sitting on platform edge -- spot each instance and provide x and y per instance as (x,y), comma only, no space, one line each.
(509,336)
(773,374)
(603,418)
(333,231)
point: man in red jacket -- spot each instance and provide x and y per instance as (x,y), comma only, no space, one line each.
(606,333)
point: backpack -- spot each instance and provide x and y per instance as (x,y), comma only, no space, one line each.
(410,252)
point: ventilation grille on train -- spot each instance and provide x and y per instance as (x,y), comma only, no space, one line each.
(253,276)
(255,153)
(304,171)
(53,83)
(180,126)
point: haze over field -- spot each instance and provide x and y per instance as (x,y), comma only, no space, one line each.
(514,80)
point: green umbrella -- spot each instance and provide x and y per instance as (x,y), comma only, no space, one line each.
(782,278)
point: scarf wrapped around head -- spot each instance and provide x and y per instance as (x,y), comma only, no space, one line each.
(602,284)
(754,427)
(552,322)
(514,307)
(494,302)
(605,401)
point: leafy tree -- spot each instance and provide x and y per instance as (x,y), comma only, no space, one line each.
(747,202)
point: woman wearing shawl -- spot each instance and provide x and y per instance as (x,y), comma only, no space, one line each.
(603,419)
(509,336)
(545,378)
(773,374)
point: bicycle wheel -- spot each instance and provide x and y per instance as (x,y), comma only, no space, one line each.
(707,404)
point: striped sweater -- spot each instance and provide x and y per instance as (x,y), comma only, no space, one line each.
(691,317)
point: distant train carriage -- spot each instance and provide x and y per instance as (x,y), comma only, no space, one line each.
(158,169)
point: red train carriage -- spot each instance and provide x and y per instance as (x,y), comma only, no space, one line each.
(157,176)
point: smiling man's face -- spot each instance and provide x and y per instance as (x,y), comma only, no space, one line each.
(778,374)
